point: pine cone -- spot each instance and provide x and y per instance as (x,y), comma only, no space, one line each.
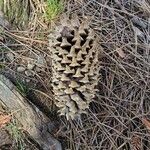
(75,66)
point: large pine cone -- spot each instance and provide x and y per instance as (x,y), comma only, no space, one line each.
(75,66)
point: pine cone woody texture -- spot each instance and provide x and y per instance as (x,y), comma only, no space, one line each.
(75,66)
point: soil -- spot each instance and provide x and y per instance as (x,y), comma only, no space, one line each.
(118,117)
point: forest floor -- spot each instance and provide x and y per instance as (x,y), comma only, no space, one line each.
(119,117)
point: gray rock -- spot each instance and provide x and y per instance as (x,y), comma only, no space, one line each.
(30,66)
(40,60)
(10,56)
(28,80)
(21,69)
(29,117)
(37,69)
(29,73)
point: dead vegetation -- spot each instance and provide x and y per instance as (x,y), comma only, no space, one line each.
(118,119)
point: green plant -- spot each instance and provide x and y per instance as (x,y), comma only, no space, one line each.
(53,8)
(16,11)
(16,134)
(21,87)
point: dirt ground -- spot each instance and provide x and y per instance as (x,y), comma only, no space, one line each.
(119,116)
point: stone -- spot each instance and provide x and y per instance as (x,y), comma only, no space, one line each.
(10,56)
(38,69)
(40,60)
(28,80)
(21,69)
(29,117)
(29,73)
(30,66)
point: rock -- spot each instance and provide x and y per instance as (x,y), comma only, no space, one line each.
(30,66)
(29,73)
(21,69)
(29,116)
(10,56)
(37,69)
(40,60)
(28,80)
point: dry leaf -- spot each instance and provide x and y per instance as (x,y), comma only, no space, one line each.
(121,52)
(4,119)
(146,123)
